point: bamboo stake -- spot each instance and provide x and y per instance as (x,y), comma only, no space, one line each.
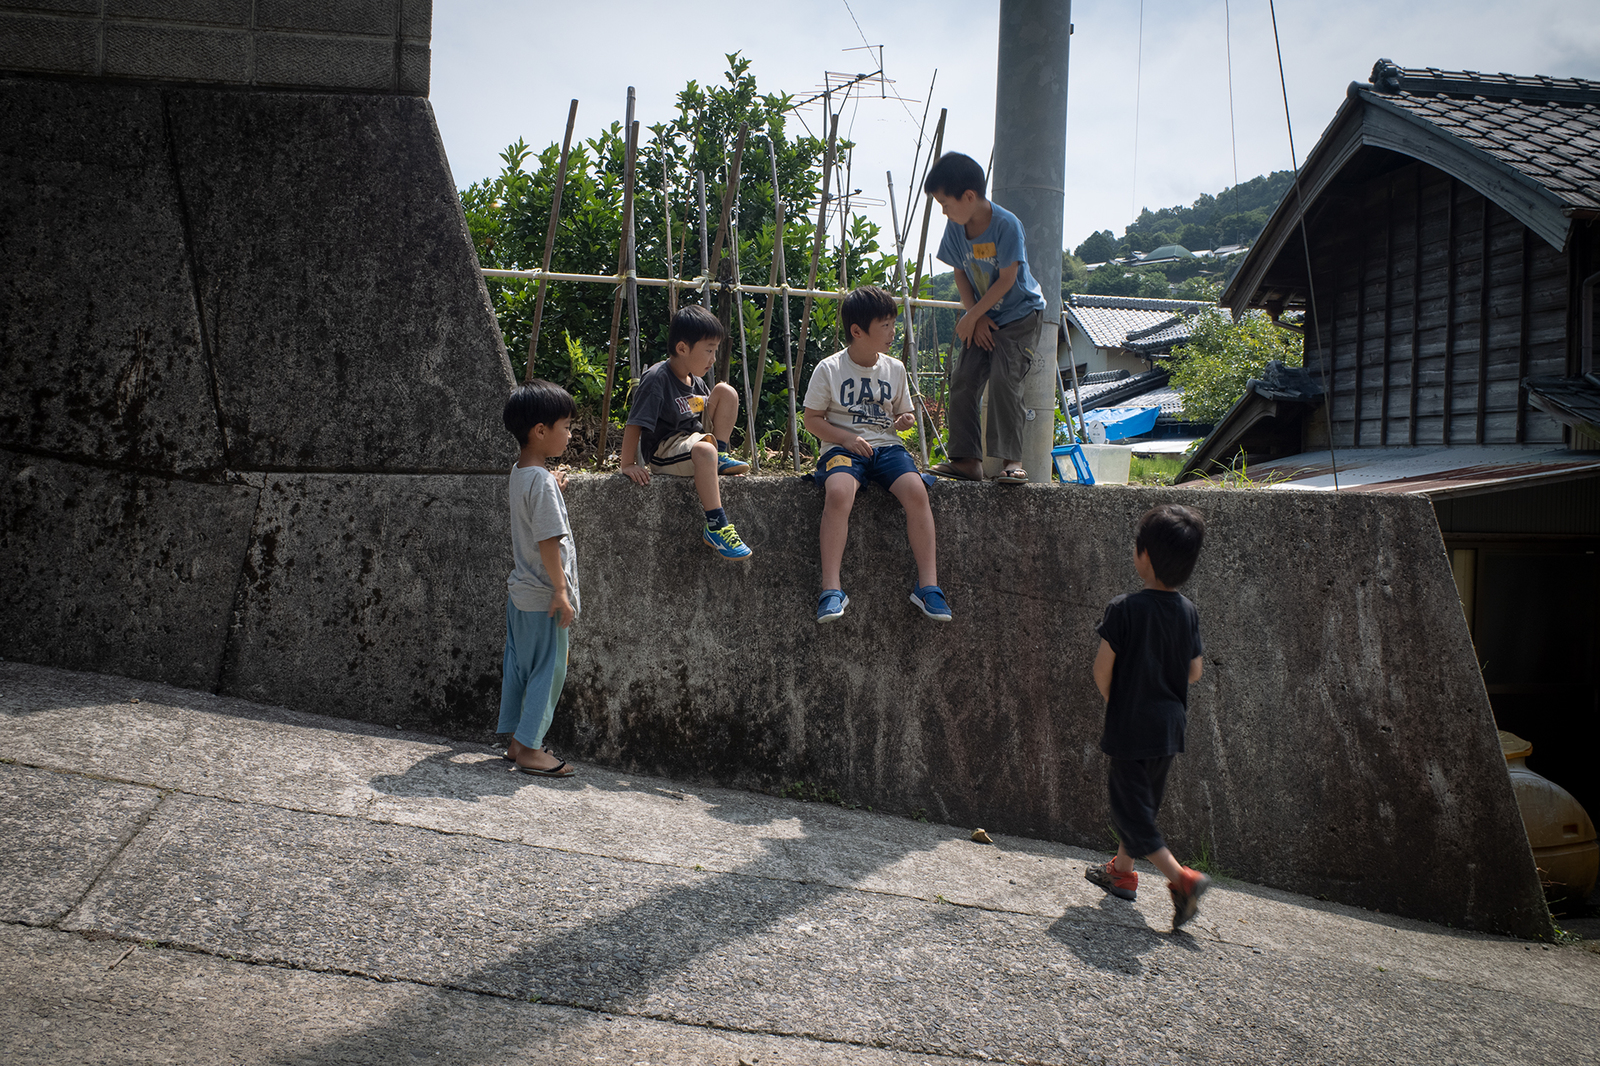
(822,221)
(723,264)
(550,239)
(905,298)
(692,283)
(666,220)
(630,130)
(792,438)
(927,210)
(622,269)
(700,184)
(744,357)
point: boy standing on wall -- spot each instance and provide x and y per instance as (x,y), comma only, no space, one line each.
(542,591)
(665,419)
(1149,656)
(855,403)
(984,243)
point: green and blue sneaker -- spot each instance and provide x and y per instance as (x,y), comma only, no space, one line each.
(727,464)
(726,542)
(930,601)
(831,604)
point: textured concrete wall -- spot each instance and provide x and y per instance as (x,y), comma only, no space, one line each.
(362,45)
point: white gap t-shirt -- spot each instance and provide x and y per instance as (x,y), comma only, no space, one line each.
(862,399)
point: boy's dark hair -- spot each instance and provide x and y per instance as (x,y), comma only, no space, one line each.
(1171,536)
(953,174)
(691,325)
(865,306)
(536,403)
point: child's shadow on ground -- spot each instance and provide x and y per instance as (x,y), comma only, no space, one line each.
(1114,937)
(464,772)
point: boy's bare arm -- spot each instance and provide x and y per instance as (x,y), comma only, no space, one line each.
(1195,666)
(1103,661)
(629,456)
(560,604)
(817,424)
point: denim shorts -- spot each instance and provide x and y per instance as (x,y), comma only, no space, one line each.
(888,463)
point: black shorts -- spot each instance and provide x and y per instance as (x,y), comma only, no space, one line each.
(1136,787)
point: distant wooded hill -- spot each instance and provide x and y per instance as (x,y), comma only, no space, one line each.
(1236,215)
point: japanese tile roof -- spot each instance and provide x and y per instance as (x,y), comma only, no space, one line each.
(1108,320)
(1160,338)
(1125,391)
(1546,129)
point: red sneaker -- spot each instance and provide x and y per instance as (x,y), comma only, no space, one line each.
(1121,885)
(1186,895)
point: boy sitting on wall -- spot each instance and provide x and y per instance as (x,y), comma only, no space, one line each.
(665,420)
(855,402)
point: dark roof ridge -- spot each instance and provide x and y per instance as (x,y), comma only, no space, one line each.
(1164,324)
(1389,78)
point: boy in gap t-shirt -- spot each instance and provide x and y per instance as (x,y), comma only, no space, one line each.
(855,403)
(1149,655)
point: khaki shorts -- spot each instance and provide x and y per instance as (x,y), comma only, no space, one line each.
(672,454)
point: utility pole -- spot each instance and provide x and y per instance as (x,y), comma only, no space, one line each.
(1029,179)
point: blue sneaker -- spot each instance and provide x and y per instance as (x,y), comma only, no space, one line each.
(727,464)
(831,605)
(726,542)
(930,601)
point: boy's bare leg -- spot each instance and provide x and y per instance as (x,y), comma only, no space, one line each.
(913,496)
(1162,860)
(840,497)
(722,411)
(703,454)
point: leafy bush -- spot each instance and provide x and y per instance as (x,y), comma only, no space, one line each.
(1222,355)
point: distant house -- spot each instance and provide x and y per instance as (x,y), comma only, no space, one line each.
(1451,225)
(1123,332)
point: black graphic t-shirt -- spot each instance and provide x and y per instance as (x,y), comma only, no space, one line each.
(663,406)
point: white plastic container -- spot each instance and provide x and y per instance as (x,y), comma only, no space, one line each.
(1110,462)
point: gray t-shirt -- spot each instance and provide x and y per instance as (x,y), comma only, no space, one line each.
(538,512)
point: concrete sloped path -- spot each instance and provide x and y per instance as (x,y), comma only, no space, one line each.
(190,878)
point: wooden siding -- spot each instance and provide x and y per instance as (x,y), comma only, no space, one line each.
(1432,305)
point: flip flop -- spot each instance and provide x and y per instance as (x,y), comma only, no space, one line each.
(950,470)
(1015,476)
(560,770)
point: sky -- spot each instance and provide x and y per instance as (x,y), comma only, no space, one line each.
(1148,124)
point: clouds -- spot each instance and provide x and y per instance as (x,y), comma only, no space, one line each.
(505,70)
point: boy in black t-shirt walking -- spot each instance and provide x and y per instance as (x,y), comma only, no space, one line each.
(1149,655)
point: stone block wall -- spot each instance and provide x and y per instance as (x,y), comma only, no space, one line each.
(363,45)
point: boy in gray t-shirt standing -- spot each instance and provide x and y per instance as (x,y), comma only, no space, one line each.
(542,592)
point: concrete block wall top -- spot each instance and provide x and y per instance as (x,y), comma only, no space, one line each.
(362,45)
(201,279)
(100,346)
(348,323)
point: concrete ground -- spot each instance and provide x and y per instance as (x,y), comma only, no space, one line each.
(190,878)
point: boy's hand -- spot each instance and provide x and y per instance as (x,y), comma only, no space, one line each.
(860,447)
(560,608)
(905,421)
(983,333)
(639,474)
(561,477)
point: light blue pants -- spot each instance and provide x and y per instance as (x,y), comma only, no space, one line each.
(535,669)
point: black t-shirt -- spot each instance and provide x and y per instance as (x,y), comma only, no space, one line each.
(1156,635)
(663,406)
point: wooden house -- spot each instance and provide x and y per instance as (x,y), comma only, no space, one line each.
(1443,245)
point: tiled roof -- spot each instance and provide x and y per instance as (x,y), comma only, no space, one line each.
(1109,320)
(1160,338)
(1547,129)
(1169,399)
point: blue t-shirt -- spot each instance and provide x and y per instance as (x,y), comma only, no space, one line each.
(982,257)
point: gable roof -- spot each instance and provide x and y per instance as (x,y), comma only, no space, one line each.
(1110,321)
(1529,144)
